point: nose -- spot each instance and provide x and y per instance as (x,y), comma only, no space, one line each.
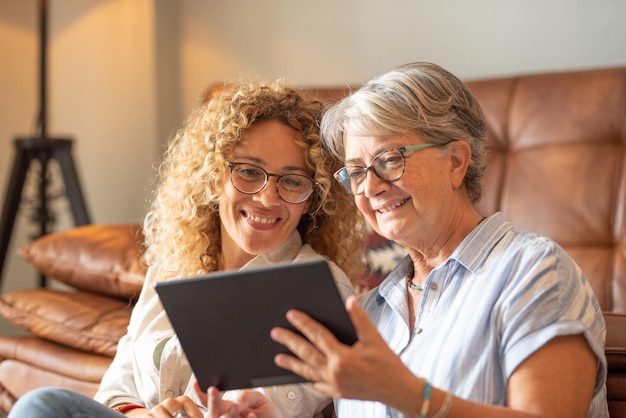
(269,196)
(373,185)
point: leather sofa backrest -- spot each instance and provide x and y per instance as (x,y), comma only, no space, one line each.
(557,166)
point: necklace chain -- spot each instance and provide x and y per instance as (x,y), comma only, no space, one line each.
(409,281)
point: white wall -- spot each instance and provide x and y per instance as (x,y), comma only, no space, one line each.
(101,92)
(330,41)
(124,73)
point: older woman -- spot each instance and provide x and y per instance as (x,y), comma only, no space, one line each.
(481,319)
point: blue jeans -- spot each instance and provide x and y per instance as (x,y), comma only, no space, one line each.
(52,402)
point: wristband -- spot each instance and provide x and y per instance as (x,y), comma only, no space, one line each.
(446,406)
(123,407)
(425,400)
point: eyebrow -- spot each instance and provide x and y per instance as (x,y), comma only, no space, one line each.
(362,164)
(260,162)
(353,163)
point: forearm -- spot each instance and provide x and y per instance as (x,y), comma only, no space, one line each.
(417,401)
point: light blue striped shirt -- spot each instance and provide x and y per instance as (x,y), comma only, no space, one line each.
(501,295)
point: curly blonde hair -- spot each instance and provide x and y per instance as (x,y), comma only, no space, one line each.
(182,228)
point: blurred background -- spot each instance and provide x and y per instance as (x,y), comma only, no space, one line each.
(123,74)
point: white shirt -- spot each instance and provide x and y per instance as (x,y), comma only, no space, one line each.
(150,365)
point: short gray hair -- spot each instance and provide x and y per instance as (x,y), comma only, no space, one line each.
(420,99)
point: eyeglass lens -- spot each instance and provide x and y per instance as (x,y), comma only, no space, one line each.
(387,165)
(250,179)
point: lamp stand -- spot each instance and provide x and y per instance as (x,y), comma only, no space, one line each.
(40,148)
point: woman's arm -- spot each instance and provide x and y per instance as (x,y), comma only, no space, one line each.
(557,380)
(118,383)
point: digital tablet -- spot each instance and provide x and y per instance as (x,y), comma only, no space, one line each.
(223,319)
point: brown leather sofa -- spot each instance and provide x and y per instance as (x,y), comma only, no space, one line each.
(557,167)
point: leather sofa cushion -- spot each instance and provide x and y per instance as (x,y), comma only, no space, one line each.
(103,259)
(6,399)
(54,358)
(18,378)
(78,319)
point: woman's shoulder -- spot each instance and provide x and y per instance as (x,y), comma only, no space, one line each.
(307,253)
(500,234)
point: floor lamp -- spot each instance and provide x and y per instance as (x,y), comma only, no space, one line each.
(40,148)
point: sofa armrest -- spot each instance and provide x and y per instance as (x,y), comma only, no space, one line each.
(615,341)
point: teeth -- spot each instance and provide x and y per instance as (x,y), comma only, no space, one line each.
(393,206)
(261,220)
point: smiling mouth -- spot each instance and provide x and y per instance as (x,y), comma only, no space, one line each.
(260,220)
(391,207)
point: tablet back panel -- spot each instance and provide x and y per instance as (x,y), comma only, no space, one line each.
(223,319)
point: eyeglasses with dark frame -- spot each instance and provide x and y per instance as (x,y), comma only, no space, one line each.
(388,166)
(251,179)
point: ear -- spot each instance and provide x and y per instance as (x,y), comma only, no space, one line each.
(460,157)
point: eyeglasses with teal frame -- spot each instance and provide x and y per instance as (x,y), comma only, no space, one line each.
(388,166)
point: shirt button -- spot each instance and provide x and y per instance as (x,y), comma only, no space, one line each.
(433,286)
(169,394)
(291,395)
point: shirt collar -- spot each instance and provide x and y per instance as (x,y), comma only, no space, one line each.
(475,248)
(470,253)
